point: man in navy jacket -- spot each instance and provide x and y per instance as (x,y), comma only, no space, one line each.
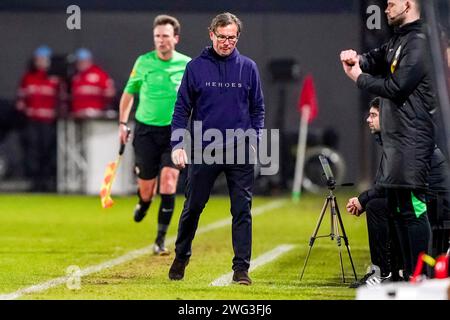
(221,93)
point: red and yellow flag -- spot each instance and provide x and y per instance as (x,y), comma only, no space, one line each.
(110,174)
(105,191)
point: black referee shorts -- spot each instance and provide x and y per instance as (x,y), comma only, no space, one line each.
(152,150)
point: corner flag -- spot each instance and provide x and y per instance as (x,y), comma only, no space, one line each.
(308,108)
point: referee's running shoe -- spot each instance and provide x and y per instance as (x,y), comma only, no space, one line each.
(160,250)
(141,208)
(140,211)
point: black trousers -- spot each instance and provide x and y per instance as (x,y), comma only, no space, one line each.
(200,181)
(411,224)
(383,242)
(41,155)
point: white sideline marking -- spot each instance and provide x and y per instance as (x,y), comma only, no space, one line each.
(131,255)
(267,257)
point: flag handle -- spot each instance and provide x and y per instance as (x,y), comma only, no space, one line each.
(301,149)
(122,145)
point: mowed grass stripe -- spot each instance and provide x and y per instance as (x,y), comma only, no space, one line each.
(146,277)
(132,255)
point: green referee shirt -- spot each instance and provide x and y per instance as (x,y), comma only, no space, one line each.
(157,82)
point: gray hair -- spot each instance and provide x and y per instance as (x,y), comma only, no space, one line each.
(225,19)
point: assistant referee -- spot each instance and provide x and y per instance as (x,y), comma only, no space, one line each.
(155,78)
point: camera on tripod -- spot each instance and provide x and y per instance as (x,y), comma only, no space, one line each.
(337,231)
(331,181)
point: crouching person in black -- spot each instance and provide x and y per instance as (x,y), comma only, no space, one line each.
(385,251)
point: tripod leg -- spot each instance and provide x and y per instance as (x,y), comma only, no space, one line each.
(338,237)
(314,235)
(344,235)
(332,229)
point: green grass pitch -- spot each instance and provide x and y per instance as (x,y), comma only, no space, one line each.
(42,235)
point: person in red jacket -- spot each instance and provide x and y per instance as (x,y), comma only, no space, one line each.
(92,88)
(38,98)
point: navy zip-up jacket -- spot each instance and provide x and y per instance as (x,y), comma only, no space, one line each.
(222,92)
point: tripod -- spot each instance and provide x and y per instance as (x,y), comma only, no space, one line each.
(336,223)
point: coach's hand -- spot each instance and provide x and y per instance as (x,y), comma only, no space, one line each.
(124,133)
(179,158)
(350,64)
(350,57)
